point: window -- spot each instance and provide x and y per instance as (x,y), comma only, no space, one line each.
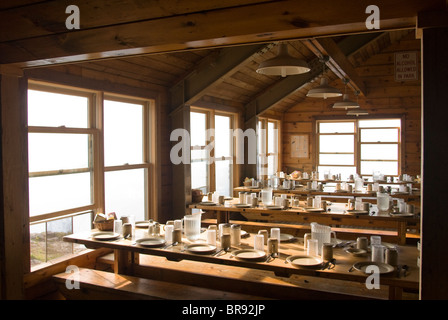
(364,147)
(336,145)
(268,150)
(212,150)
(81,164)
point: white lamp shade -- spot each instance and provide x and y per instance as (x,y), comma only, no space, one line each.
(346,103)
(283,64)
(357,112)
(324,91)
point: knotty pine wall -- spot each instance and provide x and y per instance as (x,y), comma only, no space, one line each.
(385,96)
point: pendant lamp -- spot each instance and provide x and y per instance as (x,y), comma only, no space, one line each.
(324,90)
(346,103)
(357,112)
(283,64)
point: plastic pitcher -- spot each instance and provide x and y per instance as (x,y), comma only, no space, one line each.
(192,226)
(266,196)
(383,201)
(321,233)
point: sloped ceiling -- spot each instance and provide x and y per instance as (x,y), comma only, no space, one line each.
(228,76)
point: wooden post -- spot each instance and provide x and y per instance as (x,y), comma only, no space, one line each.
(433,275)
(14,211)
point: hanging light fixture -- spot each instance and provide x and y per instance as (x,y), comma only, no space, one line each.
(346,103)
(324,90)
(357,112)
(283,64)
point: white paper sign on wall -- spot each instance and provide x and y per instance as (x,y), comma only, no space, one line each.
(406,66)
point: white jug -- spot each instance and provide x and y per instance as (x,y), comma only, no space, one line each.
(192,226)
(321,233)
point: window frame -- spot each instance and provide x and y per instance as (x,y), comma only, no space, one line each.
(96,150)
(357,139)
(210,124)
(264,154)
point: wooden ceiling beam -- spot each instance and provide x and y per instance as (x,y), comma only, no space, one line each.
(280,90)
(224,63)
(337,62)
(251,23)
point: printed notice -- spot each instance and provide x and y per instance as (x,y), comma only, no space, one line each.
(406,66)
(299,146)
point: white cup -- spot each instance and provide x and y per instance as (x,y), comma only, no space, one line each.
(211,237)
(374,240)
(169,233)
(378,253)
(275,233)
(259,242)
(312,248)
(118,224)
(178,224)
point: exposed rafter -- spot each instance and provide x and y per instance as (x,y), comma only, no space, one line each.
(337,62)
(194,85)
(281,89)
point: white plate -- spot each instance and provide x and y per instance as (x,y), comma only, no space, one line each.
(269,207)
(359,212)
(315,210)
(207,203)
(104,236)
(356,252)
(142,224)
(402,214)
(242,205)
(249,254)
(200,248)
(151,242)
(284,237)
(304,261)
(382,267)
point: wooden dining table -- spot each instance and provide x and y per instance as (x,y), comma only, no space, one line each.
(302,215)
(127,251)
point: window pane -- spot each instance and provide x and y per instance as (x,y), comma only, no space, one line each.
(198,127)
(81,223)
(125,193)
(272,165)
(123,133)
(336,127)
(59,192)
(385,167)
(199,176)
(199,154)
(54,110)
(379,152)
(272,138)
(223,177)
(379,135)
(396,123)
(53,151)
(336,143)
(56,230)
(38,243)
(223,136)
(341,159)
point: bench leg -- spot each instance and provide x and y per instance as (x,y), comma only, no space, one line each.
(124,261)
(395,293)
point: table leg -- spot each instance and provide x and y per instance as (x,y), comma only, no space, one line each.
(402,227)
(222,217)
(395,293)
(124,261)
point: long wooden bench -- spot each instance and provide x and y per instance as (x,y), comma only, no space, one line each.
(103,285)
(251,281)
